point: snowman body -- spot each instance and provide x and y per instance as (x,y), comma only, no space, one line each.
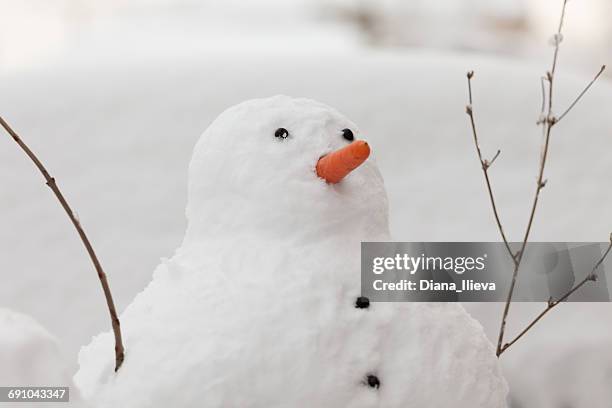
(258,307)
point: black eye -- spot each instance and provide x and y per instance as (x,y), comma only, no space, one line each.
(281,133)
(348,135)
(373,381)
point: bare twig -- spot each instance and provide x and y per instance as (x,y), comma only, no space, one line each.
(548,124)
(584,91)
(50,181)
(490,163)
(552,303)
(543,108)
(548,121)
(485,164)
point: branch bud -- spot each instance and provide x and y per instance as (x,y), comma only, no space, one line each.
(556,40)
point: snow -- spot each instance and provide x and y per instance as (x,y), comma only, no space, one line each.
(564,361)
(257,306)
(118,135)
(30,355)
(243,178)
(135,29)
(565,365)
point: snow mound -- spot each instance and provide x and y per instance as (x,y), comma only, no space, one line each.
(258,305)
(29,354)
(558,379)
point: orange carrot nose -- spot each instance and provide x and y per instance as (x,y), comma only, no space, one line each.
(336,165)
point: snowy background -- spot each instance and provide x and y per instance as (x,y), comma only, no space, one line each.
(114,94)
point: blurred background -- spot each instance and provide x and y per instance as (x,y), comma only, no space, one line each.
(38,31)
(113,95)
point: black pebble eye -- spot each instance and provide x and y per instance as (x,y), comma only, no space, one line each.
(362,302)
(373,381)
(348,134)
(281,133)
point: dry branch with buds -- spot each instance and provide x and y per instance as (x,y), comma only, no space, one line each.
(548,121)
(591,277)
(50,181)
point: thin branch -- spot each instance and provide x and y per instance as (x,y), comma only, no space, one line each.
(50,181)
(553,303)
(485,165)
(584,91)
(548,122)
(548,125)
(490,163)
(543,108)
(542,118)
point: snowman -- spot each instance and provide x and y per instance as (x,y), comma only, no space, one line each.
(261,306)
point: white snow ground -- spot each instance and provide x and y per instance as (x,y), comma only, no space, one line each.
(118,136)
(31,356)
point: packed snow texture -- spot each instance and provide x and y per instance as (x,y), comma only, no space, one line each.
(257,307)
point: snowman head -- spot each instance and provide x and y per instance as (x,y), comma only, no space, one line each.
(284,168)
